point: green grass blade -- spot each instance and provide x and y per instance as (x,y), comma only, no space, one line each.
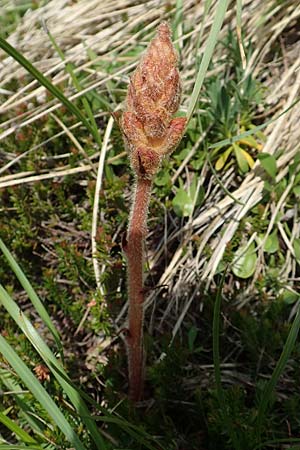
(230,141)
(217,365)
(18,431)
(51,361)
(207,5)
(18,447)
(177,23)
(20,401)
(19,397)
(32,295)
(236,200)
(280,366)
(239,13)
(135,432)
(40,394)
(11,51)
(210,46)
(77,86)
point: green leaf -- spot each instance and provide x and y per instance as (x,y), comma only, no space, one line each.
(21,401)
(268,162)
(240,157)
(296,191)
(294,166)
(163,178)
(272,243)
(182,203)
(289,297)
(248,158)
(18,447)
(245,261)
(251,142)
(221,161)
(296,246)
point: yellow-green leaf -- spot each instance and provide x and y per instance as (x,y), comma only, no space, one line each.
(249,158)
(222,159)
(241,160)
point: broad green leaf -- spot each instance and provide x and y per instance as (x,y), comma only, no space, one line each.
(296,191)
(272,243)
(289,297)
(245,261)
(268,162)
(184,202)
(162,179)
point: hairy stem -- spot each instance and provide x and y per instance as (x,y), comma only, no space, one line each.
(135,260)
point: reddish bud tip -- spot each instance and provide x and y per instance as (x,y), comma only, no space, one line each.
(153,98)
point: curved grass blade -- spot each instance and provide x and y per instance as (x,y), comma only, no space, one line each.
(56,368)
(40,394)
(135,432)
(18,395)
(77,86)
(18,431)
(207,55)
(217,365)
(253,130)
(32,295)
(280,366)
(11,51)
(221,184)
(18,447)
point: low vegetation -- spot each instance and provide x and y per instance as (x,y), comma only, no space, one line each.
(223,242)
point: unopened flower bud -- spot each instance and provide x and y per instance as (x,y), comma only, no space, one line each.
(153,97)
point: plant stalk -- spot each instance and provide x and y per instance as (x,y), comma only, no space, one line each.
(135,260)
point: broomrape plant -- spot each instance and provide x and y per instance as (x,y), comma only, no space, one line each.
(150,133)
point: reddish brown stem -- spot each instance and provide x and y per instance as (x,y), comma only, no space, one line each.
(135,259)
